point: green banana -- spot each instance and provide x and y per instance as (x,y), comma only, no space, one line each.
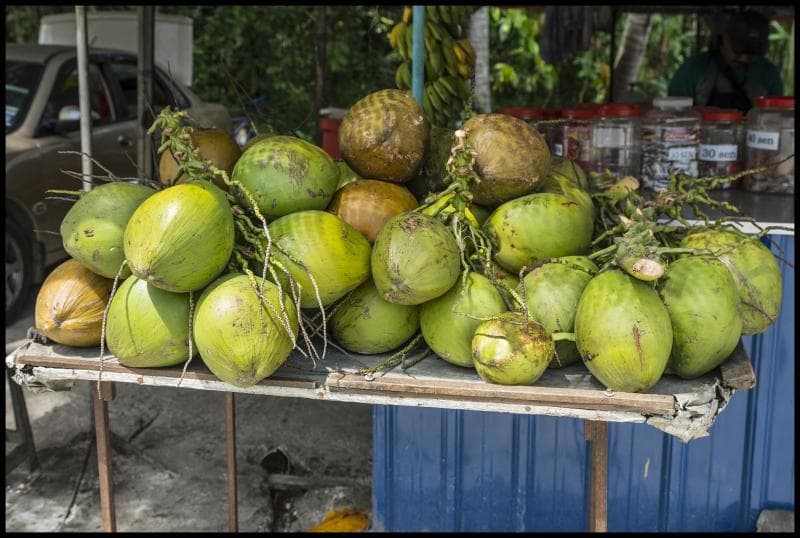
(447,83)
(433,97)
(444,15)
(426,106)
(431,13)
(441,91)
(436,29)
(436,61)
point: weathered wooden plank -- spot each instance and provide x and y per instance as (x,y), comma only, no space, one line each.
(113,366)
(737,372)
(575,398)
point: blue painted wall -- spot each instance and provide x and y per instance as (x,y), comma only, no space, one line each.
(445,470)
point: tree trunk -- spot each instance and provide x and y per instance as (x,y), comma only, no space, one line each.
(630,52)
(319,93)
(478,34)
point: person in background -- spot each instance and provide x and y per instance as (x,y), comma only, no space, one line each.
(733,73)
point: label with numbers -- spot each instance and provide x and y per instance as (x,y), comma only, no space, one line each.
(686,153)
(608,137)
(719,152)
(763,140)
(558,149)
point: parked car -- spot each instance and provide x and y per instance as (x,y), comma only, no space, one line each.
(43,119)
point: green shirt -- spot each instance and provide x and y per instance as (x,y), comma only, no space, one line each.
(698,76)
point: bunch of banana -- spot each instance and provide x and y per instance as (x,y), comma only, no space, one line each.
(449,60)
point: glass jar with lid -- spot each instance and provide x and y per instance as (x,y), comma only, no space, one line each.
(615,150)
(670,139)
(721,139)
(572,138)
(770,142)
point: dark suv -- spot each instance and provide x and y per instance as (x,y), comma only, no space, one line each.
(43,118)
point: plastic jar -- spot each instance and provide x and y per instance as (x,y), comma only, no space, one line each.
(572,138)
(769,141)
(670,140)
(721,137)
(615,150)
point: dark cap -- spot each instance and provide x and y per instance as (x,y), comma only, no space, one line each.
(748,32)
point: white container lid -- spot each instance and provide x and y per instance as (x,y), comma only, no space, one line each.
(672,102)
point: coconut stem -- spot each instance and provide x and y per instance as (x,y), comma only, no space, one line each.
(191,316)
(395,359)
(103,326)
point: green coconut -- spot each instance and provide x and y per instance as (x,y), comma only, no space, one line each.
(569,169)
(239,338)
(552,292)
(148,327)
(385,136)
(511,350)
(285,174)
(623,332)
(755,271)
(181,238)
(256,139)
(335,254)
(415,258)
(538,226)
(703,304)
(448,322)
(511,157)
(364,323)
(93,228)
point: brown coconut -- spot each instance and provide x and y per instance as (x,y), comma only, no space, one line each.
(366,204)
(216,145)
(385,136)
(70,305)
(512,157)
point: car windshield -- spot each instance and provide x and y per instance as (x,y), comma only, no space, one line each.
(21,81)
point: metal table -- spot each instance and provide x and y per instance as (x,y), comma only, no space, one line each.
(684,408)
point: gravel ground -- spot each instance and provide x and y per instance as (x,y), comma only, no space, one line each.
(169,459)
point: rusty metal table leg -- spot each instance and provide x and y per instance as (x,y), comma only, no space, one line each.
(230,414)
(107,393)
(597,434)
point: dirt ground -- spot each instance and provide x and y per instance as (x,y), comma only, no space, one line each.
(169,459)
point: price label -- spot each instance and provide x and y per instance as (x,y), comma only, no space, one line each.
(558,149)
(683,154)
(608,137)
(719,152)
(763,140)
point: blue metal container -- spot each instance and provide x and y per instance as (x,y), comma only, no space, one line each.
(445,470)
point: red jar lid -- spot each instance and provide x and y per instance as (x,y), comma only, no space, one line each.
(775,101)
(619,109)
(551,113)
(525,113)
(578,113)
(722,114)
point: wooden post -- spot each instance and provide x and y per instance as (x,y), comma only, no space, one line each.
(230,415)
(596,432)
(103,432)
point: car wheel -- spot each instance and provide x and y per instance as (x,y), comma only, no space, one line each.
(19,270)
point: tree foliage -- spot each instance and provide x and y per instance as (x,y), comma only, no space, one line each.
(244,53)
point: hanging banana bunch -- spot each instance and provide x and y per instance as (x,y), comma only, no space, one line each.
(449,60)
